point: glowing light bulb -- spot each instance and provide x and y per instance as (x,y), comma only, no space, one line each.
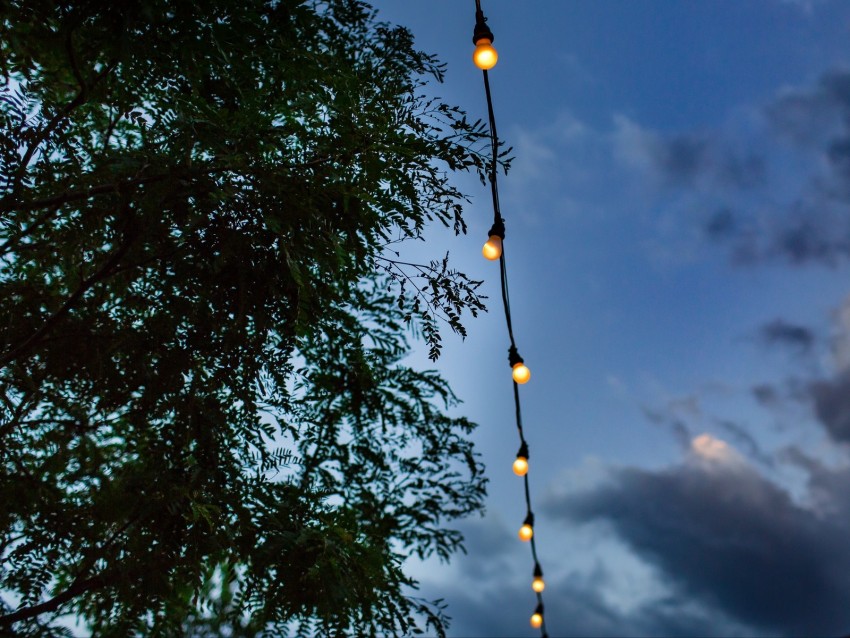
(537,584)
(485,56)
(521,466)
(521,373)
(527,529)
(537,616)
(492,248)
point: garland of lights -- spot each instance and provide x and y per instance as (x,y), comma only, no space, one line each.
(485,58)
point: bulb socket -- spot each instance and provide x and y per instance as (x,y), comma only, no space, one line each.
(513,356)
(481,29)
(523,451)
(497,229)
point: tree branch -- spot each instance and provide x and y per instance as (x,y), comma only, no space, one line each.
(76,588)
(42,135)
(72,196)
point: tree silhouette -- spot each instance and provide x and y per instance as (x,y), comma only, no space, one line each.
(206,426)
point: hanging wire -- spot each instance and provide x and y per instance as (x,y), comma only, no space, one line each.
(506,301)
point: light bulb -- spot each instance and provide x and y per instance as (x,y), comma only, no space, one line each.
(526,532)
(521,466)
(485,56)
(521,373)
(492,248)
(537,584)
(536,620)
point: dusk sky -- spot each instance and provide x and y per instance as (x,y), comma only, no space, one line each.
(678,234)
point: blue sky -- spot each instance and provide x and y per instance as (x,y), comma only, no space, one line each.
(678,228)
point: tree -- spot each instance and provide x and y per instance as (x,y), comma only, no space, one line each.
(206,424)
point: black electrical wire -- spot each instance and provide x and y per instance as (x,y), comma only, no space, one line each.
(498,221)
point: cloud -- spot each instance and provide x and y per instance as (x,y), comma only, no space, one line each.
(800,215)
(605,594)
(726,537)
(827,394)
(504,611)
(769,184)
(811,116)
(832,406)
(772,183)
(685,160)
(673,422)
(721,225)
(575,607)
(766,395)
(713,450)
(841,340)
(799,339)
(744,440)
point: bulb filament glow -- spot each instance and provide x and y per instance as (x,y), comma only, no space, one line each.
(485,56)
(520,466)
(521,373)
(492,249)
(521,462)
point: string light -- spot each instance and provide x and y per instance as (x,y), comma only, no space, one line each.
(537,584)
(537,616)
(521,462)
(526,532)
(521,373)
(485,55)
(493,247)
(485,58)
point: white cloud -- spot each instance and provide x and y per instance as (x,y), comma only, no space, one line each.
(716,451)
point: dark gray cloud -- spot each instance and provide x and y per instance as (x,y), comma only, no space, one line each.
(722,534)
(680,158)
(812,238)
(793,391)
(721,225)
(766,395)
(505,611)
(797,178)
(575,606)
(490,598)
(810,116)
(683,160)
(799,339)
(831,401)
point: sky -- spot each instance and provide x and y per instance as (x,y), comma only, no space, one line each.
(678,234)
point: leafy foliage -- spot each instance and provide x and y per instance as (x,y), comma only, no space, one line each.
(206,425)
